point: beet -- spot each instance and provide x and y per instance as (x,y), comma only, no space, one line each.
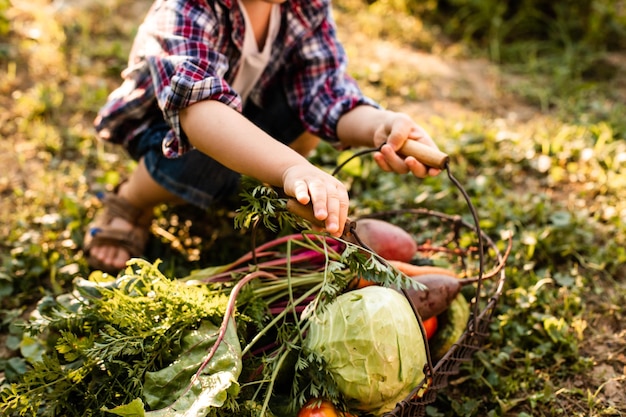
(389,241)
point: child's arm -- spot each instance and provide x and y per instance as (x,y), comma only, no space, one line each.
(373,127)
(227,136)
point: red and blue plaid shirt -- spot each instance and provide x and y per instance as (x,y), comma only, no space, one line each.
(189,50)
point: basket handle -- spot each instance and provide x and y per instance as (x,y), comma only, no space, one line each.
(425,154)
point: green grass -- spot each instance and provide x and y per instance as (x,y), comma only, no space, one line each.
(556,179)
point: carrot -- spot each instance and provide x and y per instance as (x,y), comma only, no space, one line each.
(359,282)
(430,325)
(429,302)
(440,286)
(440,290)
(417,270)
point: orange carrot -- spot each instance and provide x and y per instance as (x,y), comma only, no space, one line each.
(440,287)
(409,269)
(359,282)
(417,270)
(430,325)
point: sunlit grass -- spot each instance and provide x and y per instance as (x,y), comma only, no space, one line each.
(556,179)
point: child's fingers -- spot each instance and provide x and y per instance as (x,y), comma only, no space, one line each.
(422,136)
(328,196)
(332,219)
(391,162)
(329,201)
(301,192)
(417,168)
(317,191)
(344,206)
(337,206)
(331,206)
(433,172)
(394,161)
(379,158)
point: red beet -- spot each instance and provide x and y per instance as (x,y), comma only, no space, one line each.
(386,239)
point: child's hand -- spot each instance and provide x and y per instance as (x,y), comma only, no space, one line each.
(397,129)
(327,194)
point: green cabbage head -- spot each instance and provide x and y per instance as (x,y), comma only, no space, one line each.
(372,345)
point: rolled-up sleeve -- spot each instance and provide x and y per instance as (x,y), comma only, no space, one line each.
(186,70)
(324,91)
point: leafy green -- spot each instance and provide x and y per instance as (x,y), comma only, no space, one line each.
(526,142)
(110,336)
(169,385)
(146,345)
(169,392)
(261,203)
(372,346)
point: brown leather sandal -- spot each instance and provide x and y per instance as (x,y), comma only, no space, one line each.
(100,233)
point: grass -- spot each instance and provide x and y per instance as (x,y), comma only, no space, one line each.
(545,160)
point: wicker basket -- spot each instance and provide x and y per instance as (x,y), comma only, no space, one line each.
(456,244)
(450,240)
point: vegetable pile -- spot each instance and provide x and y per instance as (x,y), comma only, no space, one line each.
(302,321)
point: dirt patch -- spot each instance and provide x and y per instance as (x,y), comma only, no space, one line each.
(446,86)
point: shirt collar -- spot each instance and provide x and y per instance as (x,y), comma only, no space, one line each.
(306,14)
(307,11)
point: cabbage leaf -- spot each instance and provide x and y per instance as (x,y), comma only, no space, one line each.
(371,343)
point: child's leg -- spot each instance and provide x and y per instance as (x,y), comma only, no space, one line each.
(143,192)
(140,191)
(305,144)
(193,178)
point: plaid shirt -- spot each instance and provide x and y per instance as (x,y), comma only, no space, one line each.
(189,50)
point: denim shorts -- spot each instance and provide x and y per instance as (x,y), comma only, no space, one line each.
(194,176)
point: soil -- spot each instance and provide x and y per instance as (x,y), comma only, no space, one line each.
(452,87)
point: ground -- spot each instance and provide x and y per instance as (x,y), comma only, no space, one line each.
(447,85)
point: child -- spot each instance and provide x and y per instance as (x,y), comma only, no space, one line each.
(219,88)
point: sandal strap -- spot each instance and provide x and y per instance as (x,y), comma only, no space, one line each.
(133,241)
(101,233)
(116,206)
